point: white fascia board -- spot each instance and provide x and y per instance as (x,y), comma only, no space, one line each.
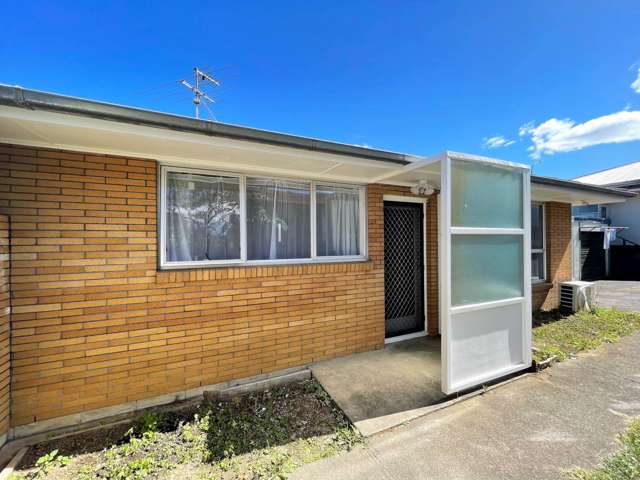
(418,163)
(488,160)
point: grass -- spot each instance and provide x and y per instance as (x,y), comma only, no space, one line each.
(256,436)
(562,336)
(622,465)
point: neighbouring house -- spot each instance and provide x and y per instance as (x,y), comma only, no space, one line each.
(148,256)
(620,222)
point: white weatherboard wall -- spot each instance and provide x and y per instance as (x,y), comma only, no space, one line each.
(485,283)
(626,214)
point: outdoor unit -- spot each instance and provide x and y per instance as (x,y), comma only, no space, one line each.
(576,295)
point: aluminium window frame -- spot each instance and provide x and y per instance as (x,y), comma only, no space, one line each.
(543,250)
(163,264)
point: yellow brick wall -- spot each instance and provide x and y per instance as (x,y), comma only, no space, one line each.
(546,296)
(95,324)
(4,324)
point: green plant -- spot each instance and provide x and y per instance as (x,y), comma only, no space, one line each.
(149,421)
(581,331)
(259,435)
(622,465)
(134,469)
(48,461)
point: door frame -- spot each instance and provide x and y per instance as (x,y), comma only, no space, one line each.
(423,202)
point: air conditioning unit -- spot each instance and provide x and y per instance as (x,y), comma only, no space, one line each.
(576,295)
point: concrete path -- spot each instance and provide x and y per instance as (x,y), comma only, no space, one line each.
(532,428)
(384,388)
(620,294)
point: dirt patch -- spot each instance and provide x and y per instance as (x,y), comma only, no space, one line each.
(259,435)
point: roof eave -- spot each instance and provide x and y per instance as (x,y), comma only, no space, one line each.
(571,184)
(35,100)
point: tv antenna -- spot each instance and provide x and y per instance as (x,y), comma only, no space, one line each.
(198,95)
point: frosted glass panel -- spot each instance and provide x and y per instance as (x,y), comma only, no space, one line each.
(485,196)
(485,268)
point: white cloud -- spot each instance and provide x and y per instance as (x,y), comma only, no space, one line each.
(497,142)
(636,83)
(555,135)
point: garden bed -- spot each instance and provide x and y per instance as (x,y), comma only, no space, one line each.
(259,435)
(562,336)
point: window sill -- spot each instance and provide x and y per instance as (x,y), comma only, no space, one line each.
(261,263)
(269,271)
(541,284)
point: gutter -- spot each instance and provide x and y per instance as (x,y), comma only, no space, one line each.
(14,96)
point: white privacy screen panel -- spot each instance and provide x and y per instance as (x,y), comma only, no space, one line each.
(485,285)
(484,342)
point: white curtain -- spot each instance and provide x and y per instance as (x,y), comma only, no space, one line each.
(338,221)
(203,217)
(278,219)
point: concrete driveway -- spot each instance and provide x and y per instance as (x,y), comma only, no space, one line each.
(531,428)
(620,294)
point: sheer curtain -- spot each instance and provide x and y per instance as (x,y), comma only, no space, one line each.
(337,224)
(203,217)
(278,219)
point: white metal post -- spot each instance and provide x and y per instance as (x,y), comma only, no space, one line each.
(444,273)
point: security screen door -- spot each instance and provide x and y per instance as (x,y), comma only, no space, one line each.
(485,263)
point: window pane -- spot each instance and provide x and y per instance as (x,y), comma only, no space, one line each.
(485,268)
(203,217)
(278,219)
(337,220)
(485,196)
(537,231)
(537,266)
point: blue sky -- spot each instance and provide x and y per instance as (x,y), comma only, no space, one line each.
(416,77)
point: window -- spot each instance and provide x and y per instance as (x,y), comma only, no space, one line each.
(538,243)
(210,218)
(589,212)
(337,221)
(278,219)
(202,217)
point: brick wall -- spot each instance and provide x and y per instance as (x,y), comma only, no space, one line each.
(95,324)
(546,296)
(4,327)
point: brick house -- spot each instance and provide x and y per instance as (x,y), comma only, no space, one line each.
(146,256)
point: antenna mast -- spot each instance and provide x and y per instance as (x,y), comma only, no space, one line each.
(198,94)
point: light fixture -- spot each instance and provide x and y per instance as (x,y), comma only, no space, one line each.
(422,188)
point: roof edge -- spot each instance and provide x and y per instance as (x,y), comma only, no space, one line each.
(556,182)
(15,96)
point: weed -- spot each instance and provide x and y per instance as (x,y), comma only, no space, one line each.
(47,462)
(259,435)
(581,331)
(622,465)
